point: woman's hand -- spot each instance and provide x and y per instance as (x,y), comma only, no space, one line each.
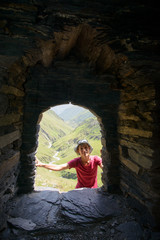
(39,163)
(52,167)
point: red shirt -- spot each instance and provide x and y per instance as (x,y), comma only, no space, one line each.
(87,175)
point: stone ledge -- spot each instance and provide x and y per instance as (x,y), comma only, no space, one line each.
(46,208)
(9,138)
(77,214)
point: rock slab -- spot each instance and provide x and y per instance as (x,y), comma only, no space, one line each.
(88,205)
(45,209)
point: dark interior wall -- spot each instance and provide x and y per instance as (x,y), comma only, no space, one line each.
(78,50)
(137,134)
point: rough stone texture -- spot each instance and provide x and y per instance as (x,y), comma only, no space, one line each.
(78,214)
(129,164)
(41,208)
(22,223)
(9,138)
(88,206)
(130,230)
(12,90)
(6,166)
(3,103)
(80,206)
(102,55)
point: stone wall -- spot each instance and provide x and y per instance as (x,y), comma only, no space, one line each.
(10,135)
(138,116)
(70,81)
(102,56)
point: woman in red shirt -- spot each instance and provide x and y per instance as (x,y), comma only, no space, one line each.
(85,165)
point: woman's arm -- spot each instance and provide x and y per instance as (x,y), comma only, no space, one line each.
(52,167)
(101,165)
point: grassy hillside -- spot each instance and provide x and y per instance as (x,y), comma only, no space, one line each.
(63,148)
(89,130)
(79,118)
(52,128)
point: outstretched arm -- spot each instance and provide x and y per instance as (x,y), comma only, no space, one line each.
(52,167)
(101,165)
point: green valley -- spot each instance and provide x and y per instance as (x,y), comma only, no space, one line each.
(57,140)
(52,128)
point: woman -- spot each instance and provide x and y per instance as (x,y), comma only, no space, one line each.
(85,165)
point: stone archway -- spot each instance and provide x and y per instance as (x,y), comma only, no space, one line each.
(73,81)
(61,127)
(82,44)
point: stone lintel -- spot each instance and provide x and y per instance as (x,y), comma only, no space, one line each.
(11,90)
(9,119)
(9,138)
(132,166)
(9,164)
(135,132)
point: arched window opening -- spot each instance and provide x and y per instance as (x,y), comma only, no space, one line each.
(61,128)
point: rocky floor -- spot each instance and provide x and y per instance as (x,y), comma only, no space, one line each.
(85,214)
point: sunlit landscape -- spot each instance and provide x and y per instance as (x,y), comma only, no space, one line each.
(57,139)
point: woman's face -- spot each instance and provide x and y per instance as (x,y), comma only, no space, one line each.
(84,150)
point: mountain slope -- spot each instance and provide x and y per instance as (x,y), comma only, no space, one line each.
(57,145)
(72,114)
(54,125)
(60,108)
(52,128)
(79,118)
(89,130)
